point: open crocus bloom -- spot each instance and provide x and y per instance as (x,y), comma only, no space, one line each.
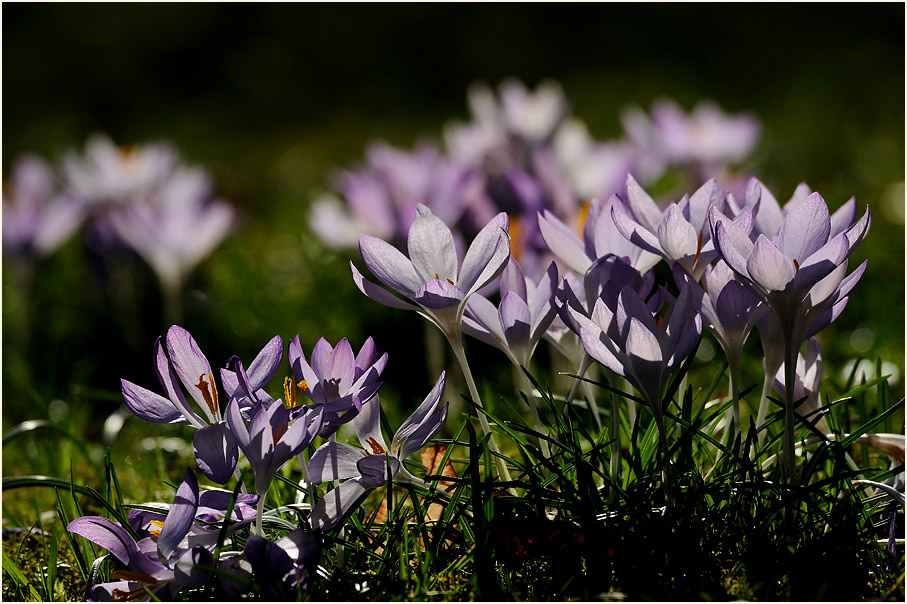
(680,234)
(337,382)
(377,464)
(800,272)
(184,363)
(628,338)
(600,238)
(432,279)
(518,323)
(164,562)
(771,215)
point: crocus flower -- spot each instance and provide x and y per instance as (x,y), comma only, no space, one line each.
(245,385)
(184,363)
(436,286)
(518,323)
(628,338)
(771,215)
(37,217)
(163,562)
(281,567)
(271,440)
(377,464)
(337,382)
(680,233)
(381,197)
(174,226)
(595,170)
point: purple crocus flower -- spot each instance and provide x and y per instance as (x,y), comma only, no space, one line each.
(771,215)
(600,238)
(377,464)
(595,170)
(680,233)
(381,197)
(184,363)
(163,562)
(518,323)
(37,218)
(432,279)
(174,226)
(270,440)
(337,382)
(627,337)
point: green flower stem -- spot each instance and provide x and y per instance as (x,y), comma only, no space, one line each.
(526,387)
(456,343)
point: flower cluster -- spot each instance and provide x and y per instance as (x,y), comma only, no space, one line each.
(143,198)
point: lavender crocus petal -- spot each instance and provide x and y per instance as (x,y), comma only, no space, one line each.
(515,319)
(827,286)
(481,321)
(425,408)
(843,217)
(424,432)
(148,405)
(438,295)
(856,233)
(697,211)
(631,305)
(189,363)
(769,219)
(368,355)
(168,380)
(734,306)
(215,451)
(342,367)
(805,229)
(822,262)
(825,318)
(486,257)
(389,265)
(768,267)
(330,509)
(541,306)
(238,426)
(265,364)
(732,243)
(513,280)
(333,461)
(851,280)
(115,540)
(600,348)
(563,243)
(676,236)
(642,205)
(180,517)
(304,373)
(633,231)
(368,426)
(322,357)
(431,247)
(674,327)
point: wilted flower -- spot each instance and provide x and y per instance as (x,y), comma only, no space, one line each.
(336,382)
(37,217)
(378,464)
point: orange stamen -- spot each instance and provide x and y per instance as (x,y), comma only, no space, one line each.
(796,266)
(698,249)
(377,449)
(209,391)
(515,244)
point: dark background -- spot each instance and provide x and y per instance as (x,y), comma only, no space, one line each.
(271,98)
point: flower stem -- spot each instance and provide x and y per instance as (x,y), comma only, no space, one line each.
(259,511)
(790,373)
(615,436)
(526,386)
(456,343)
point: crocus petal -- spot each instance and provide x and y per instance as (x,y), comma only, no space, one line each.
(515,319)
(334,461)
(342,367)
(150,406)
(431,247)
(599,347)
(843,217)
(642,205)
(114,539)
(631,305)
(377,293)
(633,231)
(190,364)
(420,415)
(376,470)
(513,280)
(330,509)
(486,257)
(768,267)
(215,451)
(481,321)
(193,567)
(822,262)
(262,369)
(423,432)
(368,427)
(856,233)
(389,265)
(180,517)
(732,243)
(697,209)
(438,295)
(541,306)
(806,228)
(563,243)
(168,380)
(676,236)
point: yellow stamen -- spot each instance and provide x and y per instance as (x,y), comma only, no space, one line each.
(290,397)
(209,391)
(514,231)
(156,531)
(580,217)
